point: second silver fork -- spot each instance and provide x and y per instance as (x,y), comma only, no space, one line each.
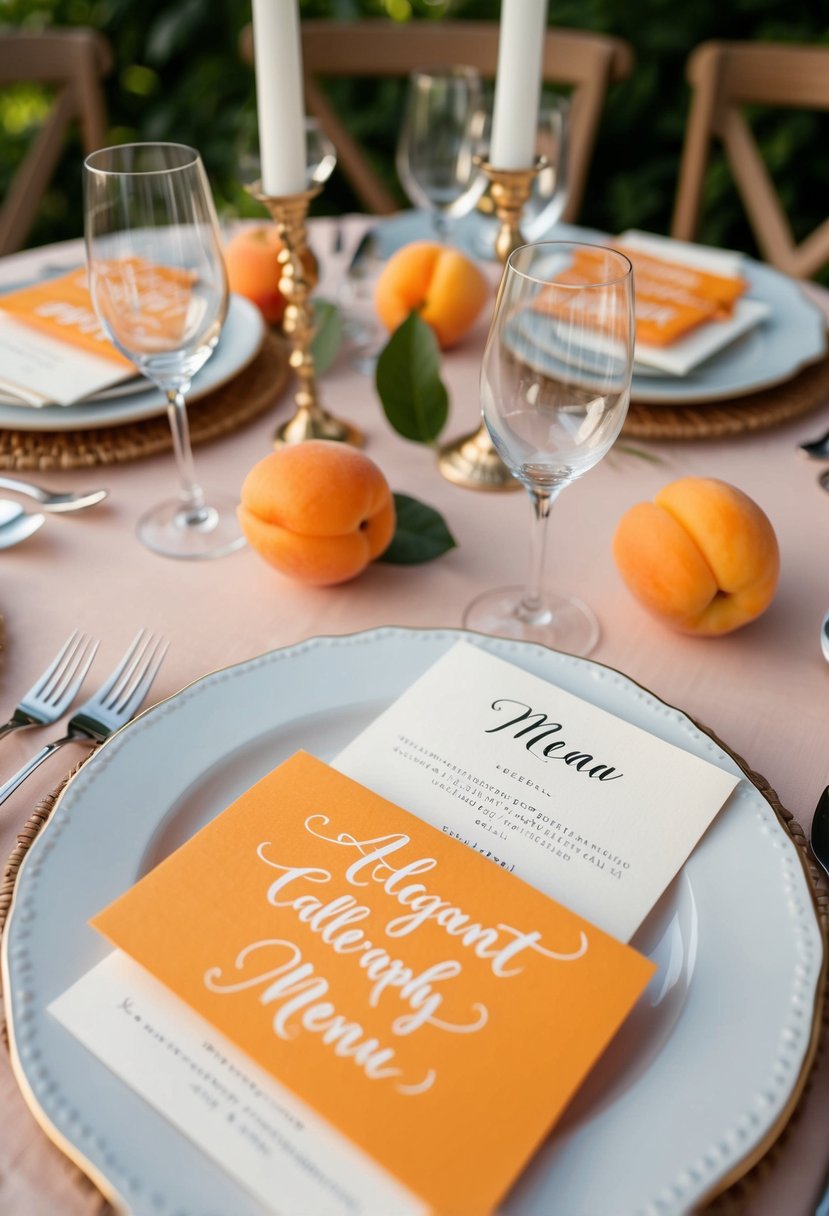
(53,692)
(112,706)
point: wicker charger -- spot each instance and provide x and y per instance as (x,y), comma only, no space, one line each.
(728,1203)
(754,412)
(241,400)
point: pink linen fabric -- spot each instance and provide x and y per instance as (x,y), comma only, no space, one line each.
(763,690)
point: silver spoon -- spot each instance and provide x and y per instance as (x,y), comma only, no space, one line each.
(15,524)
(52,500)
(824,637)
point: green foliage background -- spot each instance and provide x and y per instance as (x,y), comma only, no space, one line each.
(179,76)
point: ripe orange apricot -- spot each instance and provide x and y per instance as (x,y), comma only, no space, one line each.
(443,284)
(703,556)
(253,269)
(318,511)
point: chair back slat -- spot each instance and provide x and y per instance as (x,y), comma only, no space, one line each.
(73,62)
(726,77)
(585,62)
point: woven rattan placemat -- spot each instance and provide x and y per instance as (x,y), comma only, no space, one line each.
(755,412)
(241,400)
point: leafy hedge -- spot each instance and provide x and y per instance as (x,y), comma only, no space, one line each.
(179,76)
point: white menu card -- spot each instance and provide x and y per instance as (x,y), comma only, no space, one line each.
(595,812)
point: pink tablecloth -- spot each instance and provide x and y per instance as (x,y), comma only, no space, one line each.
(764,690)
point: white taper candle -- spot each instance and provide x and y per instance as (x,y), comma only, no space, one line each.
(279,96)
(518,83)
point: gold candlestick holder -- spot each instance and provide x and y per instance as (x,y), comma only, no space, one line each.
(311,420)
(472,460)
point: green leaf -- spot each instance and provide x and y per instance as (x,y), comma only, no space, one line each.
(412,394)
(421,534)
(328,335)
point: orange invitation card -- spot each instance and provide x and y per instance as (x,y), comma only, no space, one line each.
(62,308)
(434,1009)
(691,302)
(672,298)
(53,349)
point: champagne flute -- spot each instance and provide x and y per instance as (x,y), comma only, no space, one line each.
(555,386)
(158,285)
(439,142)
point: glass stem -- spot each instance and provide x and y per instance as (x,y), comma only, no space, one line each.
(441,227)
(190,492)
(531,608)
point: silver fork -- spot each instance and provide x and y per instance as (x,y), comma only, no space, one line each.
(111,707)
(53,692)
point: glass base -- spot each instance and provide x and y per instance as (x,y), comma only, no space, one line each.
(173,531)
(564,623)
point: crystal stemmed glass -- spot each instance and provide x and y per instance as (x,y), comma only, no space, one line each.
(320,155)
(555,386)
(158,285)
(550,187)
(439,142)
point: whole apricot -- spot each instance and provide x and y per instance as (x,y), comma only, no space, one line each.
(446,288)
(318,511)
(703,556)
(254,270)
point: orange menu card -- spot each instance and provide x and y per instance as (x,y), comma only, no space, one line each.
(672,298)
(53,350)
(436,1010)
(62,309)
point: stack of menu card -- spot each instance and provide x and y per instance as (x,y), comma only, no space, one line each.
(356,1006)
(718,274)
(53,350)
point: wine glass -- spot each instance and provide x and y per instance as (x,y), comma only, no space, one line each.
(555,386)
(320,154)
(548,197)
(439,142)
(550,191)
(158,285)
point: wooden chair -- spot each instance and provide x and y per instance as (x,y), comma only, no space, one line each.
(586,63)
(725,77)
(73,62)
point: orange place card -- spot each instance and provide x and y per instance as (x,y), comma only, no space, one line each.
(62,309)
(435,1009)
(672,298)
(722,290)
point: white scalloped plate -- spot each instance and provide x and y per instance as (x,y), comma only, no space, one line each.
(695,1087)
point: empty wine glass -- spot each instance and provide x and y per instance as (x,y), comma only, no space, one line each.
(550,191)
(549,194)
(439,143)
(555,386)
(320,154)
(158,284)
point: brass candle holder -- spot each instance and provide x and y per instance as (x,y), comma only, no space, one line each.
(310,421)
(472,461)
